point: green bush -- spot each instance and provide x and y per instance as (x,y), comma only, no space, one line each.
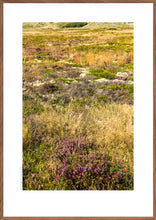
(73,24)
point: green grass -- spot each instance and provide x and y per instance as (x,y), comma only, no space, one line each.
(127,89)
(101,73)
(128,67)
(102,98)
(31,106)
(73,65)
(32,25)
(131,78)
(81,102)
(68,81)
(117,87)
(111,87)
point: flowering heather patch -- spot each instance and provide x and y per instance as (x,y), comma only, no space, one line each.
(81,167)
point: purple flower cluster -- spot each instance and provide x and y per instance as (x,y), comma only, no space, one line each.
(81,167)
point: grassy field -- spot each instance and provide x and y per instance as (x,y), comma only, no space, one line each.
(77,106)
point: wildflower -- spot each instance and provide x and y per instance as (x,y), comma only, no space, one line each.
(33,175)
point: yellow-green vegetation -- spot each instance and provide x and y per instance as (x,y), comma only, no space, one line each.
(102,73)
(77,106)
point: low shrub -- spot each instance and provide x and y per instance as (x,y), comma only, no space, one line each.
(80,167)
(73,24)
(49,88)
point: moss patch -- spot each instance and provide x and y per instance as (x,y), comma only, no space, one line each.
(101,73)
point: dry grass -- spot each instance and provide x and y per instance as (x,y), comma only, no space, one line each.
(110,127)
(102,59)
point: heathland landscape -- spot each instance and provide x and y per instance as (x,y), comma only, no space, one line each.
(77,106)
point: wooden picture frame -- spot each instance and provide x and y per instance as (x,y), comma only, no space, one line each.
(2,2)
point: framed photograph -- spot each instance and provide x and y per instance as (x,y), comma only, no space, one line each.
(77,113)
